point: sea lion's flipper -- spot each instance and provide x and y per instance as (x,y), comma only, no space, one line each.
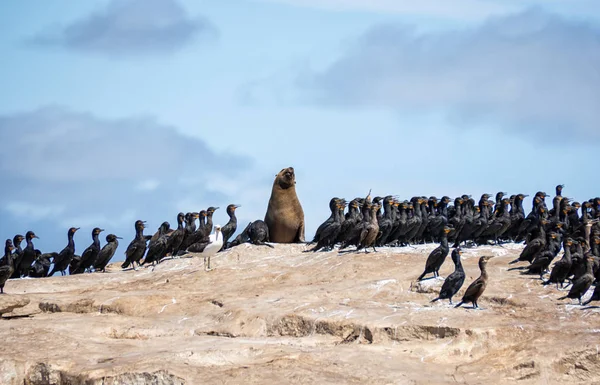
(300,234)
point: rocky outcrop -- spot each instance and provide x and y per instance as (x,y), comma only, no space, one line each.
(283,316)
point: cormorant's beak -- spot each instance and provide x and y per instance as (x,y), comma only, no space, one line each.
(119,237)
(35,236)
(237,206)
(101,230)
(77,228)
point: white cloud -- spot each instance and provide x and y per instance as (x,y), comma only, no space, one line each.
(529,72)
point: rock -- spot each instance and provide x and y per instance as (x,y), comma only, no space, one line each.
(8,303)
(279,315)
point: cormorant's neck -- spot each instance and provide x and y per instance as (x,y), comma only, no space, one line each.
(139,232)
(8,255)
(458,265)
(444,242)
(483,269)
(96,240)
(71,243)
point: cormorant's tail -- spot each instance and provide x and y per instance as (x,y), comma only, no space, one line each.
(459,304)
(421,276)
(561,298)
(515,261)
(125,264)
(436,299)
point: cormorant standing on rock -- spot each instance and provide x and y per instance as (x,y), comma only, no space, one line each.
(6,270)
(176,237)
(560,270)
(42,263)
(454,281)
(64,258)
(368,235)
(330,231)
(231,226)
(16,255)
(190,227)
(386,223)
(436,258)
(157,249)
(352,219)
(137,248)
(475,289)
(333,207)
(583,283)
(535,246)
(201,233)
(107,252)
(89,255)
(28,255)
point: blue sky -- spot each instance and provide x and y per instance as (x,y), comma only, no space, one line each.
(113,111)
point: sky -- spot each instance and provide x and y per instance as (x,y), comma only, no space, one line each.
(118,110)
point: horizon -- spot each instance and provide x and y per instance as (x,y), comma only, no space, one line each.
(118,111)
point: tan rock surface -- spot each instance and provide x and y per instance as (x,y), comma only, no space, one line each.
(282,316)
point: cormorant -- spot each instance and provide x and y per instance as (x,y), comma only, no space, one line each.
(475,289)
(560,270)
(330,231)
(89,255)
(352,219)
(583,283)
(6,270)
(28,255)
(200,235)
(543,260)
(454,281)
(368,235)
(534,246)
(333,207)
(176,238)
(386,223)
(16,255)
(209,219)
(64,258)
(137,248)
(231,226)
(107,252)
(41,265)
(157,249)
(436,258)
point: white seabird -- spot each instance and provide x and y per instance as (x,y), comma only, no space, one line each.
(215,242)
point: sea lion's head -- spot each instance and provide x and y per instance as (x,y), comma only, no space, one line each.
(286,178)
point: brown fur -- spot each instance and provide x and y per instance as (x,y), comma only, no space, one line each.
(285,217)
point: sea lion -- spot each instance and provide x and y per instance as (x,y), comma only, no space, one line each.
(285,217)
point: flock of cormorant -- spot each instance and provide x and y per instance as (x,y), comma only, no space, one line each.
(387,221)
(20,262)
(370,223)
